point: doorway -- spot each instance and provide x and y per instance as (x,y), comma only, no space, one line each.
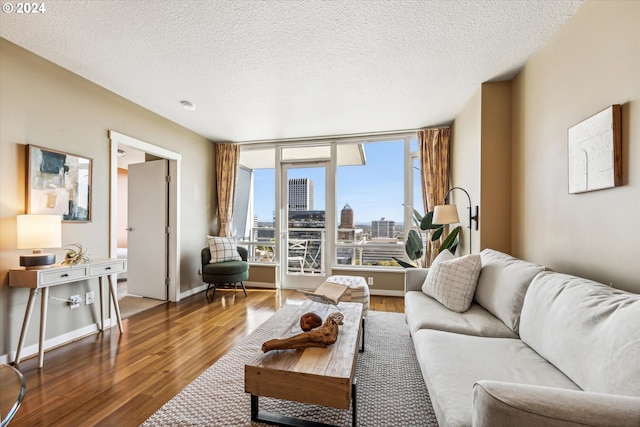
(148,151)
(303,260)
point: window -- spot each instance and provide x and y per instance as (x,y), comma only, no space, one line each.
(254,209)
(370,198)
(377,186)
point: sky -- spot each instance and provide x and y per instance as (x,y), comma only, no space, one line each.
(374,190)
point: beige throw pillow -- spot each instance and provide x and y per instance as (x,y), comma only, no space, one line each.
(452,281)
(223,249)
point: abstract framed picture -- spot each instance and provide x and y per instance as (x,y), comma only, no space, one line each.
(58,183)
(595,152)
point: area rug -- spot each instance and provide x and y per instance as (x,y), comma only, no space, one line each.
(391,391)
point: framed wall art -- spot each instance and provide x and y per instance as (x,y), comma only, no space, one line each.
(595,152)
(58,183)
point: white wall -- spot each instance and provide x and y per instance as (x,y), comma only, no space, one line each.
(592,63)
(45,105)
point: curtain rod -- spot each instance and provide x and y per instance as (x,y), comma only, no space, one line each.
(319,139)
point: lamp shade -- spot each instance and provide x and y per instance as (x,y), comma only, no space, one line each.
(445,214)
(37,232)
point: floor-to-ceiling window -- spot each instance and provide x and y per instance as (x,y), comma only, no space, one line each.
(371,200)
(374,190)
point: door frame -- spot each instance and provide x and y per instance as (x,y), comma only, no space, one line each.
(175,159)
(282,216)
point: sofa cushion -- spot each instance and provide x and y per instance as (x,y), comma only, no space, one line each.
(223,249)
(502,285)
(452,281)
(423,312)
(452,363)
(588,330)
(497,403)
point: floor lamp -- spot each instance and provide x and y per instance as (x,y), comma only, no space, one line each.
(448,214)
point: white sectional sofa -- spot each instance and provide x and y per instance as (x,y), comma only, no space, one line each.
(534,348)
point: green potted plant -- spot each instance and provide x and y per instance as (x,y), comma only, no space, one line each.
(414,246)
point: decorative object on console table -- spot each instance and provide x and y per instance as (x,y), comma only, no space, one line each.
(76,256)
(448,214)
(595,152)
(37,232)
(58,183)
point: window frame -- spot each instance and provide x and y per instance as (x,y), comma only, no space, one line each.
(332,242)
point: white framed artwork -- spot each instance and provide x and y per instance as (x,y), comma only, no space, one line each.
(595,152)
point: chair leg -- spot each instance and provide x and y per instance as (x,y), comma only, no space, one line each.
(210,286)
(243,288)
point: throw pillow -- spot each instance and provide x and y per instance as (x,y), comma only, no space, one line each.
(452,281)
(223,249)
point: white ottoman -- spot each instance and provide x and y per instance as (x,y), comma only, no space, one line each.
(358,291)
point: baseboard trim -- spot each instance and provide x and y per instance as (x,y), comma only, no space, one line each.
(193,291)
(265,285)
(60,340)
(386,292)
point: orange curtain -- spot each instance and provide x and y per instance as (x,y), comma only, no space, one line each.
(434,167)
(227,159)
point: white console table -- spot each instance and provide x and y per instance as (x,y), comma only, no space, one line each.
(43,279)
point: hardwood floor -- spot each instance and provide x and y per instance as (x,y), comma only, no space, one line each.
(109,379)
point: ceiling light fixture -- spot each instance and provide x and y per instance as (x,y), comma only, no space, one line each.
(188,105)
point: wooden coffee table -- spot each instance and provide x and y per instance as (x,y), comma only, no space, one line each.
(321,376)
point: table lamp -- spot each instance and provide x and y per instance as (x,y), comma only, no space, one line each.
(37,232)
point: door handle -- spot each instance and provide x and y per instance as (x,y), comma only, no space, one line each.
(129,228)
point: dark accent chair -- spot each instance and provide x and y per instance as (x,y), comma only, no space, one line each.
(225,272)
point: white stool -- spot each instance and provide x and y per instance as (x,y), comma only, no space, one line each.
(358,291)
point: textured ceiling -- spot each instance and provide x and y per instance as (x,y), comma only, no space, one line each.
(284,69)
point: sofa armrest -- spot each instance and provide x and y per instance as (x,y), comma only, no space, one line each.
(498,403)
(414,278)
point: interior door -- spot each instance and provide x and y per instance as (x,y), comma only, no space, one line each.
(147,218)
(303,234)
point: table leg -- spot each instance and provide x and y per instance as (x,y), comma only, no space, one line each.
(354,412)
(25,323)
(44,303)
(114,298)
(254,407)
(362,342)
(101,303)
(286,421)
